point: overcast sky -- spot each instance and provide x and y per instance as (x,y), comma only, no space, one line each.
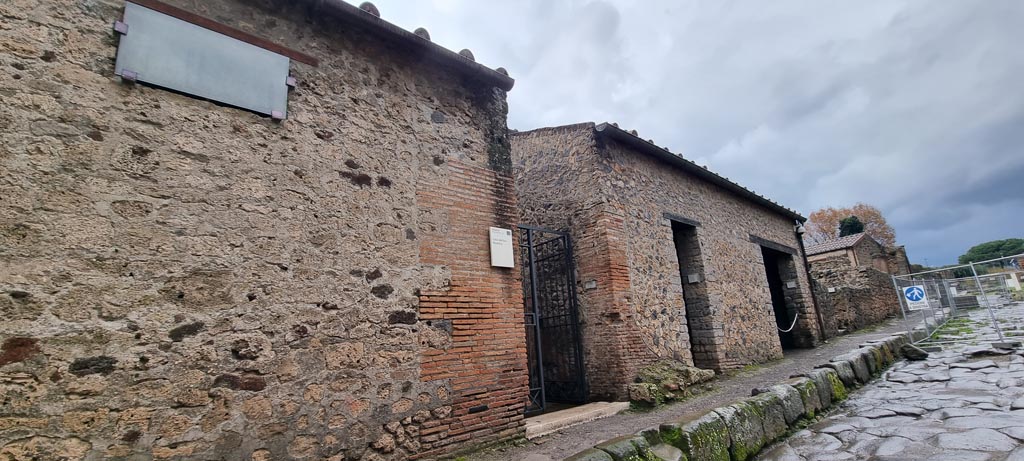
(916,107)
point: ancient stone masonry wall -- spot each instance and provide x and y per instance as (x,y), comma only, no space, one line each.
(867,250)
(561,186)
(182,280)
(735,279)
(851,298)
(898,262)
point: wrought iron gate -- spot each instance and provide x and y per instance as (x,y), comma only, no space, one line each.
(554,352)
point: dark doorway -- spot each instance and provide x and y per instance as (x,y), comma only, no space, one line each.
(553,343)
(776,266)
(699,320)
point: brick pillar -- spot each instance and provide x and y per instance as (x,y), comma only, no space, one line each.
(613,344)
(485,363)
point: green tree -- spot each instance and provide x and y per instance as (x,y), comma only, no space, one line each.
(992,250)
(850,225)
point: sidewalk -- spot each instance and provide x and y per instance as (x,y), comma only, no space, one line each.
(572,440)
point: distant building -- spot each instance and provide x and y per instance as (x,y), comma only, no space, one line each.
(852,280)
(861,250)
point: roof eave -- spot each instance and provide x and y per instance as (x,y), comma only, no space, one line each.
(664,155)
(353,14)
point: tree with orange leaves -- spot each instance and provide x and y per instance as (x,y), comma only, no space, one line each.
(823,225)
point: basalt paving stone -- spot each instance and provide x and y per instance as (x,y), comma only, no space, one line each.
(864,445)
(834,429)
(1006,381)
(978,365)
(905,378)
(920,430)
(876,413)
(907,410)
(959,412)
(935,376)
(992,421)
(973,385)
(934,405)
(834,456)
(976,440)
(815,442)
(781,452)
(897,445)
(1015,432)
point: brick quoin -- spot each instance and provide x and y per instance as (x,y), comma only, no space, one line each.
(486,361)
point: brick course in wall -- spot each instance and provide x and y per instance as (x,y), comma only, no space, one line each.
(184,280)
(615,202)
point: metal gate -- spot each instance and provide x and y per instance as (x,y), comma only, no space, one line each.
(553,347)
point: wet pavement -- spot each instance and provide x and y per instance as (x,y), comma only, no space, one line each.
(963,403)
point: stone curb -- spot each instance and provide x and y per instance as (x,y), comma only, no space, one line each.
(738,431)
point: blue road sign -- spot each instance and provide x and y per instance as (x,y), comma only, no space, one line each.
(914,293)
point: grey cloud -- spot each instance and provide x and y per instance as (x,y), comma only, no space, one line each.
(914,106)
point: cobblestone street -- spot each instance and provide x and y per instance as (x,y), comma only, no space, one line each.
(964,403)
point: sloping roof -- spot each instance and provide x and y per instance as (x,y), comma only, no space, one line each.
(835,244)
(647,147)
(367,17)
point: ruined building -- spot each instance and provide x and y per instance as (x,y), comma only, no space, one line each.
(852,278)
(671,260)
(276,250)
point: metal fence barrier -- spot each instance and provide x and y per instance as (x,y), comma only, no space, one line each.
(965,304)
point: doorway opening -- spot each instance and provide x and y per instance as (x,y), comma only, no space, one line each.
(553,339)
(699,320)
(781,271)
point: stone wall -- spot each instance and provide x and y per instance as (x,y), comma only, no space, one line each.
(183,280)
(899,264)
(851,298)
(614,203)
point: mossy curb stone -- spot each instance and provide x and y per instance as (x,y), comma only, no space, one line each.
(822,385)
(746,433)
(590,454)
(845,371)
(888,353)
(628,448)
(789,398)
(769,409)
(705,438)
(808,393)
(859,365)
(871,359)
(838,389)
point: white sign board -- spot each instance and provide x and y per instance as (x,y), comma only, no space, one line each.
(916,297)
(501,248)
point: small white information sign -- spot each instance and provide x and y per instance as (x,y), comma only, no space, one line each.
(916,297)
(501,248)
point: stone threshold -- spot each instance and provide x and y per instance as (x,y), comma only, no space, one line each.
(547,423)
(740,430)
